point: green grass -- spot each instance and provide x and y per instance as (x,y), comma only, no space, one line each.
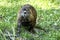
(48,18)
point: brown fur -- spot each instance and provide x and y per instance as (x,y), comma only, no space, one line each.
(31,18)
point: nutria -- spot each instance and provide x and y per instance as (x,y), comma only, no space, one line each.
(26,17)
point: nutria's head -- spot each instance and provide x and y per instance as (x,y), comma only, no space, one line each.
(25,13)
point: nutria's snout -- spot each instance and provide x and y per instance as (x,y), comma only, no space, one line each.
(25,14)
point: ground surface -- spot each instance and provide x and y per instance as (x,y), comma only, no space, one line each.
(48,18)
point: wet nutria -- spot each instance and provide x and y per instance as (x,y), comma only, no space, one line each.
(26,17)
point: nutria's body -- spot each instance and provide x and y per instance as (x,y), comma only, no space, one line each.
(27,17)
